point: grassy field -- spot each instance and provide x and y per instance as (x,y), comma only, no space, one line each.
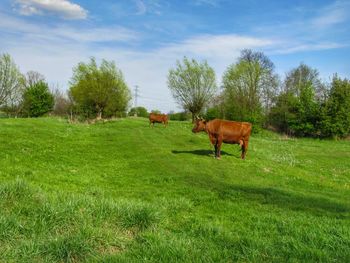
(123,192)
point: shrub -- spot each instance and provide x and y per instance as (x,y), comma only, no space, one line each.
(37,100)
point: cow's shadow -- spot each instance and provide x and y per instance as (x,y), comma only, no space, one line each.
(201,152)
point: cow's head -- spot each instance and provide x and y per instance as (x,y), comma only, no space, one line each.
(199,125)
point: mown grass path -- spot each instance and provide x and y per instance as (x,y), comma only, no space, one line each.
(123,192)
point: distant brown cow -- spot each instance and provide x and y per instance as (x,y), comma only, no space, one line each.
(159,118)
(221,131)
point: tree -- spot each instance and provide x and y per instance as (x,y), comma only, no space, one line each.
(179,116)
(32,78)
(297,108)
(192,84)
(336,111)
(37,100)
(62,104)
(11,84)
(99,90)
(249,87)
(139,111)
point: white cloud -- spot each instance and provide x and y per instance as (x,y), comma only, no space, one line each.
(64,33)
(207,2)
(148,6)
(308,47)
(333,14)
(219,46)
(141,7)
(63,8)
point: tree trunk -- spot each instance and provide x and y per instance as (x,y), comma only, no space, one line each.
(99,114)
(193,117)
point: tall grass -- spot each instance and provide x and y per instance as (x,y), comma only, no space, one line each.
(61,227)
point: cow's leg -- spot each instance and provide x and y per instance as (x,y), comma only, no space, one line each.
(244,149)
(213,142)
(215,150)
(241,143)
(218,151)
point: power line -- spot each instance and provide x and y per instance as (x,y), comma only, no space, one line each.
(136,95)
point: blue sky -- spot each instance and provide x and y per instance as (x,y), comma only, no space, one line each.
(146,37)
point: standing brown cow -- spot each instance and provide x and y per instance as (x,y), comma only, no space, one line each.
(159,118)
(221,131)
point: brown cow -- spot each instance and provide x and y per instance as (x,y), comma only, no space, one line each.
(222,131)
(159,118)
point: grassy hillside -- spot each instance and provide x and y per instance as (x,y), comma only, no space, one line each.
(124,192)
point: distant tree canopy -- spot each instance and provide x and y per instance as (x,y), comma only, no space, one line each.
(249,87)
(296,110)
(335,112)
(139,111)
(156,111)
(99,90)
(192,84)
(179,116)
(37,100)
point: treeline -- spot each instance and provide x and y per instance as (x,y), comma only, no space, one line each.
(95,91)
(174,116)
(299,105)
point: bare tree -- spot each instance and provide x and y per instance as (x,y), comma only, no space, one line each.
(62,103)
(11,84)
(32,78)
(192,84)
(303,76)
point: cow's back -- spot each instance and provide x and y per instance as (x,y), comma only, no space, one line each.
(230,130)
(154,117)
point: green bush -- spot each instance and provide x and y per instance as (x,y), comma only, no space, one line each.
(37,100)
(335,117)
(180,116)
(140,111)
(212,113)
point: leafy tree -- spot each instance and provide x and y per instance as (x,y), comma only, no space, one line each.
(179,116)
(212,113)
(11,85)
(139,111)
(297,107)
(192,85)
(249,87)
(156,111)
(284,112)
(336,111)
(37,100)
(99,90)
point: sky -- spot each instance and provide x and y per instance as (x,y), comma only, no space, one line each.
(145,38)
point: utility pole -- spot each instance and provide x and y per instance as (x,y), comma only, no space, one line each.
(136,95)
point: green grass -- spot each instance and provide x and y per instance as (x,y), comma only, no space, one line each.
(123,192)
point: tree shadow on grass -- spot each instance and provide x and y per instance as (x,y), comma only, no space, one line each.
(289,200)
(201,152)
